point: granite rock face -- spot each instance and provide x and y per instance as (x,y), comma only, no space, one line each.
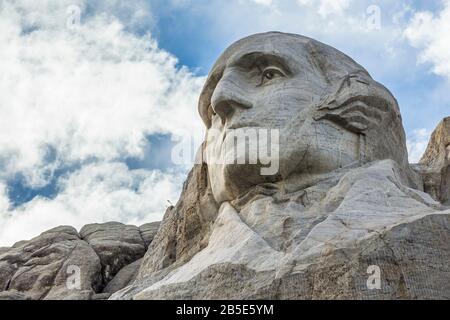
(148,232)
(342,273)
(435,163)
(47,266)
(345,216)
(115,244)
(12,295)
(40,267)
(125,276)
(290,249)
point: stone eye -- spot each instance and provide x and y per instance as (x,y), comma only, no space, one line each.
(271,73)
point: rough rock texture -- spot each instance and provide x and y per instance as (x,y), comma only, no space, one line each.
(41,268)
(413,267)
(125,276)
(185,227)
(12,295)
(148,232)
(291,249)
(435,163)
(344,216)
(116,244)
(345,199)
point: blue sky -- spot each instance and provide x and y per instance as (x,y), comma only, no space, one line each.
(89,110)
(186,32)
(189,31)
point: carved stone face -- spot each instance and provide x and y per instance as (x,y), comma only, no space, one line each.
(324,105)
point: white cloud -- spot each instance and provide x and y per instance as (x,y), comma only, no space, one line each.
(417,142)
(325,8)
(344,24)
(4,200)
(95,91)
(430,33)
(267,3)
(94,194)
(90,92)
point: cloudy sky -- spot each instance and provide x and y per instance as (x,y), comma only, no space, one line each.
(93,94)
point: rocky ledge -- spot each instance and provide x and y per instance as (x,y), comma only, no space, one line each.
(62,263)
(346,216)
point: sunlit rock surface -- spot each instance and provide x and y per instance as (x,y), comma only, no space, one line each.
(344,216)
(46,267)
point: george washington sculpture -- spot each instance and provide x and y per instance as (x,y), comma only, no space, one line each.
(331,211)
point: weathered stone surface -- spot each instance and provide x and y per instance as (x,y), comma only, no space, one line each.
(343,203)
(40,268)
(274,240)
(344,197)
(412,260)
(123,278)
(44,267)
(100,296)
(435,163)
(148,232)
(4,249)
(12,295)
(6,272)
(116,244)
(185,226)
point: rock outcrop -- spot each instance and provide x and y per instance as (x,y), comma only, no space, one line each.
(345,216)
(375,221)
(64,264)
(115,244)
(435,163)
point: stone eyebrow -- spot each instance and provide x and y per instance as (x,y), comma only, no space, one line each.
(259,59)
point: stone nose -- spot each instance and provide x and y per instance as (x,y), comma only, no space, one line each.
(228,98)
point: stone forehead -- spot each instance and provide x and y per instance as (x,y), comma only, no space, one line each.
(292,46)
(299,52)
(288,44)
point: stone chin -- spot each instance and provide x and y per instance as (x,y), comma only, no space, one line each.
(230,171)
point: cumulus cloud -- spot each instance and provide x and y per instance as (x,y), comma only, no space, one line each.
(263,2)
(89,94)
(86,94)
(96,193)
(417,142)
(369,32)
(94,91)
(325,8)
(429,33)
